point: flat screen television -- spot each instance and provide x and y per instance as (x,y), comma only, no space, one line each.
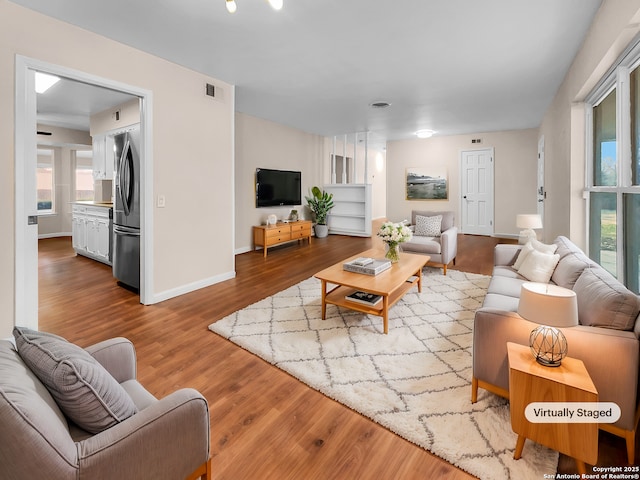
(276,188)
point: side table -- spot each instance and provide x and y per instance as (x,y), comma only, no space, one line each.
(570,382)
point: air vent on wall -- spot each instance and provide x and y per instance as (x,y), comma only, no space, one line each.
(476,140)
(211,90)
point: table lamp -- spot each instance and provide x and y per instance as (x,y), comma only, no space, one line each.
(528,222)
(552,307)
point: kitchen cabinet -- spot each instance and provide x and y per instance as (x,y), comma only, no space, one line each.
(91,232)
(103,160)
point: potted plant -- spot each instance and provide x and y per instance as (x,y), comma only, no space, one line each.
(320,202)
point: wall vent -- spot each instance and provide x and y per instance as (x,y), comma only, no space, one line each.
(476,140)
(211,90)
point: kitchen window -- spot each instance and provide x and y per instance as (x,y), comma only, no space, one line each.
(45,181)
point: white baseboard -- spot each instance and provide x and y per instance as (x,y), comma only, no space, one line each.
(54,235)
(191,287)
(239,251)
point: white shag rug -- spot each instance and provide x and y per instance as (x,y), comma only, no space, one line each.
(415,381)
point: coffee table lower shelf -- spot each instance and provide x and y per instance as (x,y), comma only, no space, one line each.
(336,296)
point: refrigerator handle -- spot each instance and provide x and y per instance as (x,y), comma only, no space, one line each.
(124,190)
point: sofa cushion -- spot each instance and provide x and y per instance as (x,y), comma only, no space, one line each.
(83,389)
(510,287)
(418,244)
(605,302)
(501,302)
(566,246)
(569,269)
(428,226)
(538,266)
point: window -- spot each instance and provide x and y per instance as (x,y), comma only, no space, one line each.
(44,181)
(613,182)
(84,176)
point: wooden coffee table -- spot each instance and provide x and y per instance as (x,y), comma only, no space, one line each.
(391,284)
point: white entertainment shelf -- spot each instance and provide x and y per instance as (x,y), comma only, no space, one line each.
(351,212)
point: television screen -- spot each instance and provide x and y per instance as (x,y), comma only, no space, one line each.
(278,187)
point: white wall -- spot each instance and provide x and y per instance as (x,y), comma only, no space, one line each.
(563,126)
(515,166)
(264,144)
(192,149)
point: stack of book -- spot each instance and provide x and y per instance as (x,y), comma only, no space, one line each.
(365,298)
(367,266)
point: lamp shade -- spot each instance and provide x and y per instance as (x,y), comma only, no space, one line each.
(548,304)
(528,220)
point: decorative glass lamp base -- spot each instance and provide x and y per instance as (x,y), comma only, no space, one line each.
(548,346)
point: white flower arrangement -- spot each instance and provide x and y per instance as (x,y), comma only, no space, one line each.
(394,233)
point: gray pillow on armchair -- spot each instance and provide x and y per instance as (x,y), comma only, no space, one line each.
(82,388)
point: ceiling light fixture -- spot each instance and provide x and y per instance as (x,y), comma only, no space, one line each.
(44,81)
(424,133)
(232,7)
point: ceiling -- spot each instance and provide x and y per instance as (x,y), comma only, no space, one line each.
(455,66)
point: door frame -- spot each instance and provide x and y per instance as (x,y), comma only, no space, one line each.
(26,257)
(492,180)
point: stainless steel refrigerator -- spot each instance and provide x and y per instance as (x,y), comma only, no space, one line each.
(126,213)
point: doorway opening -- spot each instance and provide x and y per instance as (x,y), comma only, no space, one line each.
(26,215)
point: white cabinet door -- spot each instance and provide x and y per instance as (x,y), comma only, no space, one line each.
(92,235)
(99,158)
(79,232)
(102,238)
(103,157)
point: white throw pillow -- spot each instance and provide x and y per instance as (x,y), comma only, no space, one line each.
(538,266)
(526,249)
(429,226)
(529,247)
(543,247)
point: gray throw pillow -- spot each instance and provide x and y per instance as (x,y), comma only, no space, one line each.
(428,226)
(82,388)
(605,302)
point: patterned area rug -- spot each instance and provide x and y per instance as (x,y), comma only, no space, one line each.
(415,381)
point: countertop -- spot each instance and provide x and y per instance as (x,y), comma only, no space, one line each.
(95,204)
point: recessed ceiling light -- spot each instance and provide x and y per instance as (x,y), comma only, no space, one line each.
(379,104)
(424,133)
(44,81)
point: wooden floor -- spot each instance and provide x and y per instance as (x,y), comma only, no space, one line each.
(264,423)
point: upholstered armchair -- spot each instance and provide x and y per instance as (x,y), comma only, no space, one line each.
(434,234)
(149,438)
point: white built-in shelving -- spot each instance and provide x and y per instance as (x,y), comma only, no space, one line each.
(351,212)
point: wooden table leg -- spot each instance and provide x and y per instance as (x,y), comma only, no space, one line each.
(582,469)
(385,313)
(324,294)
(519,446)
(419,274)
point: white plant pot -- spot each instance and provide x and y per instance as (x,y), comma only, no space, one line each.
(321,230)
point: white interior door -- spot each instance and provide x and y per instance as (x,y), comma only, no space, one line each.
(26,217)
(476,177)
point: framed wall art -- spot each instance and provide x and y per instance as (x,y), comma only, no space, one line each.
(427,183)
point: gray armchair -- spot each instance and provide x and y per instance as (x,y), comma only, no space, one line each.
(165,439)
(441,248)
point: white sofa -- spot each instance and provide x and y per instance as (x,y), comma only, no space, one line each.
(606,340)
